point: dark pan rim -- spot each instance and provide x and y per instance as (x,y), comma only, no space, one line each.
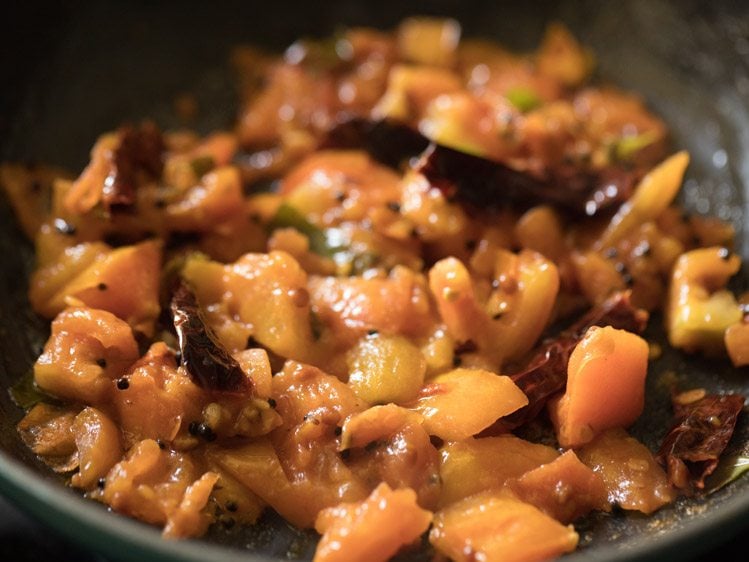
(124,538)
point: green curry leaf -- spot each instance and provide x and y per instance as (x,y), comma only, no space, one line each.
(730,468)
(524,99)
(288,217)
(625,148)
(25,393)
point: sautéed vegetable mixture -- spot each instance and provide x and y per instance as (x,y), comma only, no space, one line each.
(351,308)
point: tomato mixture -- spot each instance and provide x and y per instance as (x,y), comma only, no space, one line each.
(342,310)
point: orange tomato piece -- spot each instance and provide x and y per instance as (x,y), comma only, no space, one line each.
(398,304)
(160,487)
(564,489)
(633,478)
(158,399)
(372,530)
(87,349)
(262,295)
(605,385)
(98,441)
(495,526)
(463,402)
(124,282)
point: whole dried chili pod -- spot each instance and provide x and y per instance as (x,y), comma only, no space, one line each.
(387,141)
(480,182)
(545,372)
(701,431)
(207,362)
(139,153)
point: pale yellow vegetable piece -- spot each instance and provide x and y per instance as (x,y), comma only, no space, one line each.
(463,402)
(429,41)
(442,123)
(410,89)
(522,309)
(257,466)
(256,365)
(473,465)
(373,424)
(563,58)
(699,310)
(386,369)
(655,192)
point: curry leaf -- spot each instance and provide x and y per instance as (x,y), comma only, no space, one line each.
(730,468)
(288,217)
(625,148)
(524,99)
(25,393)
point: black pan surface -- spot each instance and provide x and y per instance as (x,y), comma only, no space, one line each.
(76,69)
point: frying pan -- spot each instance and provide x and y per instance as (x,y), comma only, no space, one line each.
(73,70)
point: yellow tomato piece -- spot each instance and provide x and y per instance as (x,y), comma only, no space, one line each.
(652,196)
(257,466)
(463,402)
(58,269)
(386,369)
(528,286)
(474,465)
(699,310)
(561,57)
(429,41)
(378,422)
(410,89)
